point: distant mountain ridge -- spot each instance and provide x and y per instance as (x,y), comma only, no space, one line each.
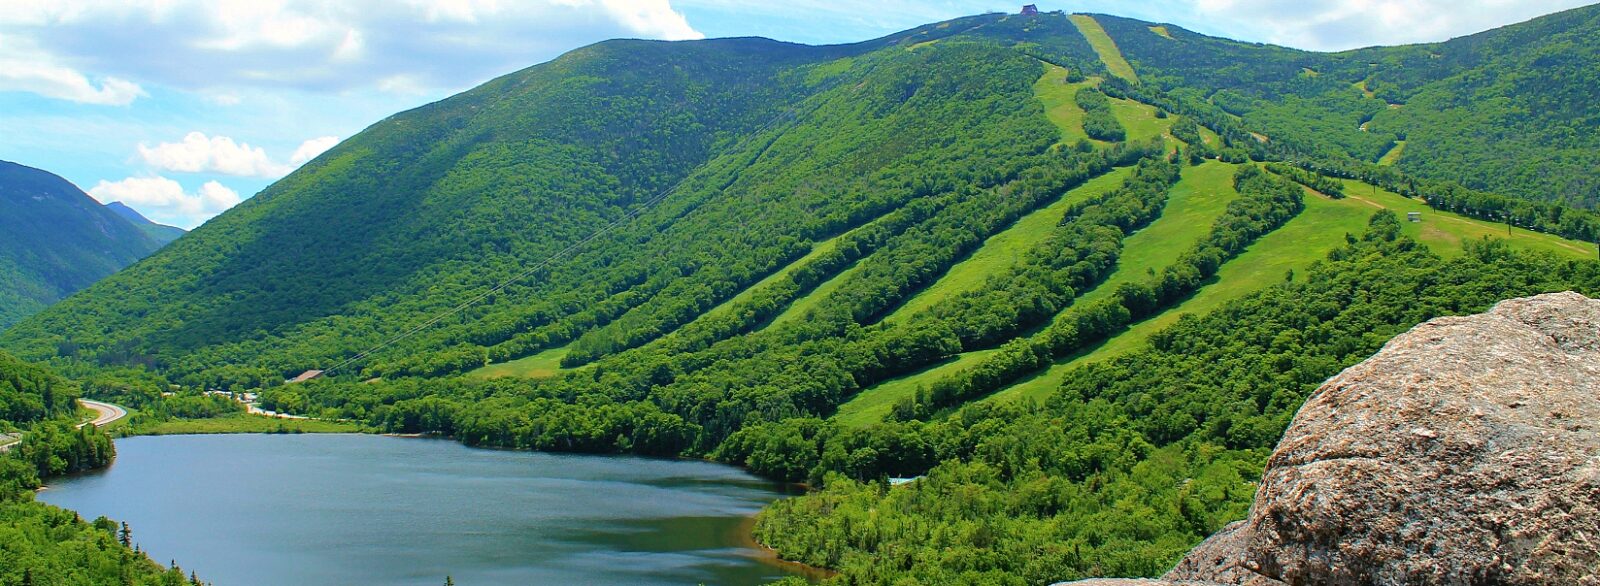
(56,240)
(160,232)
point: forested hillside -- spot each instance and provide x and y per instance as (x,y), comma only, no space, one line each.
(1507,111)
(45,544)
(1073,274)
(161,233)
(55,240)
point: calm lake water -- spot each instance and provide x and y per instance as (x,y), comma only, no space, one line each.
(244,510)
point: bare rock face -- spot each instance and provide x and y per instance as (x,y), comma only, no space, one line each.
(1467,451)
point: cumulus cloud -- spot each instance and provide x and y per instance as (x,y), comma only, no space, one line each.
(198,153)
(164,200)
(321,45)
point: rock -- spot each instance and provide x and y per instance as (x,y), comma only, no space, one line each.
(1467,451)
(1219,559)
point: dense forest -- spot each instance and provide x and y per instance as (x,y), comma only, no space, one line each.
(55,240)
(718,249)
(45,544)
(1461,106)
(1131,461)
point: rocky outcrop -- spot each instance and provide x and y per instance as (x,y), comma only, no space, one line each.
(1467,451)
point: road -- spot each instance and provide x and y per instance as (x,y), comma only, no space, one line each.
(105,413)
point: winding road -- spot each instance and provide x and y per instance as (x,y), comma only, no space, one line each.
(105,413)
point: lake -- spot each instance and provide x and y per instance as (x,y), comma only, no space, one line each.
(244,510)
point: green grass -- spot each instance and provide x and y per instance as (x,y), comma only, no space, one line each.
(816,250)
(1444,232)
(1161,31)
(1362,87)
(873,403)
(1104,46)
(1140,119)
(1059,103)
(1194,203)
(1004,249)
(242,423)
(1393,155)
(804,304)
(544,364)
(1304,240)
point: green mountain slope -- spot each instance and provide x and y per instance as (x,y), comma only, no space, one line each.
(949,252)
(1508,110)
(161,233)
(55,240)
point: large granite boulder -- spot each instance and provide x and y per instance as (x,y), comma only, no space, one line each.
(1467,451)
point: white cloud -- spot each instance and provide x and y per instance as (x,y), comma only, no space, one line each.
(164,200)
(197,153)
(23,67)
(651,18)
(310,149)
(1348,24)
(414,46)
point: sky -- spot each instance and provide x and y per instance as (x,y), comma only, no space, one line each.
(183,108)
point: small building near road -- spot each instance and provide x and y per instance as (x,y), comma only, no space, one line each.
(1029,9)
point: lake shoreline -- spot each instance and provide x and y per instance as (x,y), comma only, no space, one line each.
(746,534)
(434,472)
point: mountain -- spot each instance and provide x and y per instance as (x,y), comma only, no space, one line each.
(1507,110)
(1071,273)
(55,240)
(161,233)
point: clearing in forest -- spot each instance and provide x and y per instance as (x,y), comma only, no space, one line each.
(1305,239)
(1199,197)
(871,404)
(546,363)
(1104,46)
(1004,249)
(1195,202)
(1393,155)
(1059,106)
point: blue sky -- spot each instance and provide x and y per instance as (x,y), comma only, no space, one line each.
(182,108)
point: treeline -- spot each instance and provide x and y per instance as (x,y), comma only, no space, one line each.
(1265,203)
(1099,122)
(1540,216)
(1079,253)
(1548,215)
(1133,460)
(31,393)
(1316,181)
